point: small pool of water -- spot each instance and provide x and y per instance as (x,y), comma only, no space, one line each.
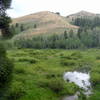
(80,79)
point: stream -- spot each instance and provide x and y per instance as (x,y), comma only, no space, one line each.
(81,79)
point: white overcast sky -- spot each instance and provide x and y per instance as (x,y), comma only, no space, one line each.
(65,7)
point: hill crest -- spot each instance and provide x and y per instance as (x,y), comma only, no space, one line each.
(47,22)
(81,14)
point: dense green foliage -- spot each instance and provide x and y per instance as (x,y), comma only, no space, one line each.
(4,19)
(6,65)
(87,22)
(5,71)
(4,26)
(20,28)
(84,38)
(43,79)
(5,4)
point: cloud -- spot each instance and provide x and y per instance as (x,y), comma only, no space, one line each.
(24,7)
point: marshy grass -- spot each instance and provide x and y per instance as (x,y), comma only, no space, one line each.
(38,74)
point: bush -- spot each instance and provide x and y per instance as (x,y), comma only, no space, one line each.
(69,57)
(33,61)
(69,89)
(98,57)
(60,87)
(19,71)
(36,52)
(95,78)
(5,70)
(68,62)
(30,60)
(73,56)
(56,85)
(5,67)
(76,54)
(50,75)
(17,90)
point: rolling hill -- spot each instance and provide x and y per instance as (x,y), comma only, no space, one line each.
(81,14)
(46,22)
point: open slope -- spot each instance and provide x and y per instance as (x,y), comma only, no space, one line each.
(46,22)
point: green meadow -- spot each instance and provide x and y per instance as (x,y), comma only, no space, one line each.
(38,74)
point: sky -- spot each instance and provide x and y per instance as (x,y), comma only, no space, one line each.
(65,7)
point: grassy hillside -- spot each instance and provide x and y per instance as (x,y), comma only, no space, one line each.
(38,74)
(46,22)
(82,14)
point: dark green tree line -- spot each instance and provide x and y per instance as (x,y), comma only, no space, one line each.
(87,22)
(86,38)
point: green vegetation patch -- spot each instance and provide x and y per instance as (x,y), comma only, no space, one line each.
(42,79)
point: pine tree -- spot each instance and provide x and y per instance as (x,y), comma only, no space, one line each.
(65,35)
(22,28)
(17,25)
(4,19)
(35,26)
(71,34)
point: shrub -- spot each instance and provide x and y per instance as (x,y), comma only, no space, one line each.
(33,61)
(98,57)
(95,78)
(66,57)
(68,62)
(69,57)
(69,89)
(61,87)
(30,60)
(50,75)
(76,54)
(5,70)
(5,67)
(61,54)
(19,71)
(56,85)
(17,91)
(36,52)
(73,56)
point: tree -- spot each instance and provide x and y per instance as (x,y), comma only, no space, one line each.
(58,13)
(5,64)
(35,26)
(5,3)
(71,34)
(65,35)
(22,28)
(4,25)
(80,30)
(16,25)
(13,30)
(4,19)
(5,71)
